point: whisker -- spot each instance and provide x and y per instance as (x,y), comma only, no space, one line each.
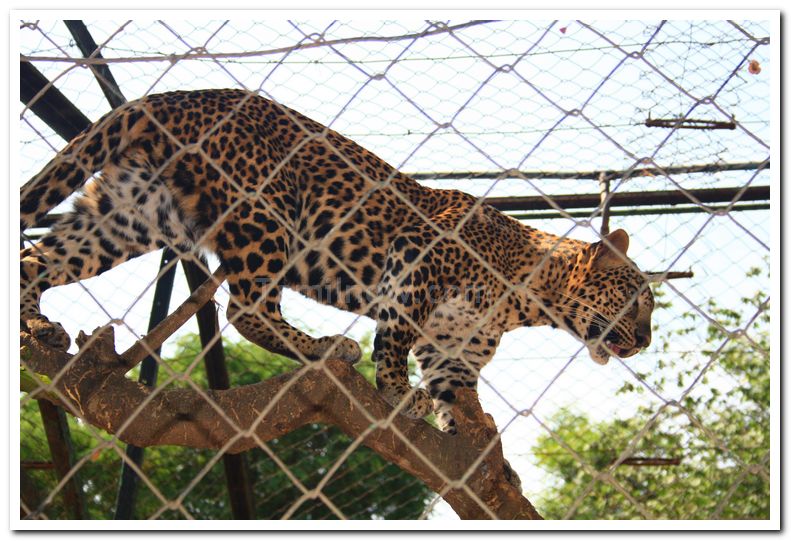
(595,318)
(583,303)
(605,325)
(599,318)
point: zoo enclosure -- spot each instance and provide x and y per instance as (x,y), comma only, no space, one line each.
(661,126)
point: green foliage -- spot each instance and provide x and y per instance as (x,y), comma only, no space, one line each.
(364,486)
(30,381)
(723,443)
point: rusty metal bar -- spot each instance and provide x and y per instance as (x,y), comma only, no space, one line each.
(654,276)
(690,124)
(604,203)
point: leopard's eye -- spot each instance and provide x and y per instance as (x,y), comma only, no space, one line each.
(630,302)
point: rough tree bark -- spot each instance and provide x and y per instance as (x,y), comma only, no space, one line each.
(468,470)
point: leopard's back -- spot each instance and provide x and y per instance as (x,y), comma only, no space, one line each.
(284,201)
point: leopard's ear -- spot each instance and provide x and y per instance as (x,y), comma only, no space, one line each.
(612,252)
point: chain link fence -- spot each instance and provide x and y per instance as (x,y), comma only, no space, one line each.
(577,128)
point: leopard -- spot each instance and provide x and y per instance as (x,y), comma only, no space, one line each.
(285,202)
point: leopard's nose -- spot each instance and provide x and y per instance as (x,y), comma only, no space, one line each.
(642,338)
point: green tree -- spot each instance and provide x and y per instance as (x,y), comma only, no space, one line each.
(723,442)
(364,486)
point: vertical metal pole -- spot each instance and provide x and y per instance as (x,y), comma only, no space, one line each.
(237,476)
(56,428)
(604,193)
(29,496)
(127,489)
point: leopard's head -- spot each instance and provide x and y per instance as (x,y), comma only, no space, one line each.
(607,302)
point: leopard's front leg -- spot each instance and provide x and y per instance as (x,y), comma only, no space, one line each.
(404,306)
(391,348)
(456,345)
(446,370)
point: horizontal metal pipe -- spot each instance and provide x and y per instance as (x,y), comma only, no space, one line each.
(630,199)
(593,175)
(549,215)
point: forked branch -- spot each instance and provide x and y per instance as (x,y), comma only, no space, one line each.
(468,469)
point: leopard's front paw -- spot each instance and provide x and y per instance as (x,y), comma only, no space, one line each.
(49,333)
(339,347)
(417,406)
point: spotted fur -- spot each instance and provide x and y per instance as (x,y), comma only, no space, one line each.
(286,202)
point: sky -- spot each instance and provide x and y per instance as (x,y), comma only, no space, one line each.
(530,95)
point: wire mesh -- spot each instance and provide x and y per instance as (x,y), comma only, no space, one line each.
(679,432)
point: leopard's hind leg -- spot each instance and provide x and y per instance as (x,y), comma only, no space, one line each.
(126,212)
(256,258)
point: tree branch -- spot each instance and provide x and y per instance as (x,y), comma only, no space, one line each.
(95,385)
(157,336)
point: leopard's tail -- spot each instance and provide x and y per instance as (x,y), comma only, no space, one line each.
(85,155)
